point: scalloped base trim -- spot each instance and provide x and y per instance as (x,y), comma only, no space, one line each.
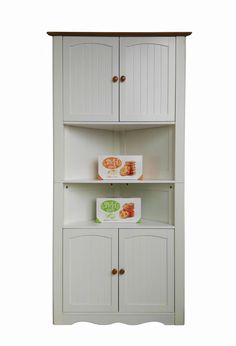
(109,318)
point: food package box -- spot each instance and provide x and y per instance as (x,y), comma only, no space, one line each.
(120,167)
(118,210)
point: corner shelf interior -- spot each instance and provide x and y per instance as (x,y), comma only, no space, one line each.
(84,142)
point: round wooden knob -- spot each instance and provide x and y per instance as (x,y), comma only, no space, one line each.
(122,271)
(114,271)
(115,79)
(122,78)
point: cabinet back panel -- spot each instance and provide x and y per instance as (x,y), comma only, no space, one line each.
(157,147)
(80,201)
(82,147)
(157,200)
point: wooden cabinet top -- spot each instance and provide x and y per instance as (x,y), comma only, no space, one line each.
(122,34)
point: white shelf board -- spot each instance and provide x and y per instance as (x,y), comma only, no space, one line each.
(117,181)
(118,126)
(144,224)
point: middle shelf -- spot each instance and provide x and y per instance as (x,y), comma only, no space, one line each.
(144,224)
(157,201)
(117,181)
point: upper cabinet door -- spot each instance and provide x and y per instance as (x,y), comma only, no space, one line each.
(89,64)
(148,92)
(89,255)
(147,256)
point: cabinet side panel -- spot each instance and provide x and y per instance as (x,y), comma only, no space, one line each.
(179,176)
(58,148)
(57,252)
(58,176)
(179,253)
(180,109)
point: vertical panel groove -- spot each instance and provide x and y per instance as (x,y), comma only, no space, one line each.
(118,77)
(161,79)
(147,103)
(168,79)
(140,80)
(118,267)
(154,73)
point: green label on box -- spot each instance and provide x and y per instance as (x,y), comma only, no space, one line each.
(110,206)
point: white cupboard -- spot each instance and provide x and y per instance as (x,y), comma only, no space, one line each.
(121,94)
(111,270)
(112,79)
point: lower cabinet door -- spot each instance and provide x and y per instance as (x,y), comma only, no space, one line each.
(147,282)
(89,255)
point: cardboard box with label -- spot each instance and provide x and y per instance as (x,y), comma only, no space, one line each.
(118,210)
(121,167)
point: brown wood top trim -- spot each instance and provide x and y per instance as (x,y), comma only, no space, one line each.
(122,34)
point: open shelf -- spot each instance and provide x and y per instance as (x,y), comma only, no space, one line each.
(157,202)
(144,224)
(84,143)
(118,126)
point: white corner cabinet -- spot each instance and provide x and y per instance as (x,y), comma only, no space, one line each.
(119,93)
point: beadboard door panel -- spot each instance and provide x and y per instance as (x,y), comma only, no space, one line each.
(89,63)
(148,93)
(147,256)
(89,255)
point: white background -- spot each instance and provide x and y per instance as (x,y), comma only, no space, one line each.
(26,170)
